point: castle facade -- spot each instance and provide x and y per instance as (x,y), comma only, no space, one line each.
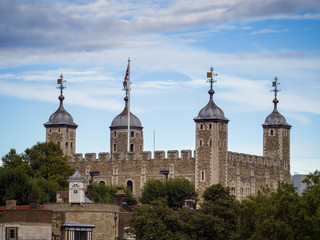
(209,163)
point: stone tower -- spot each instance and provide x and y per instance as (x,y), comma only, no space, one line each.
(60,128)
(276,138)
(211,144)
(119,132)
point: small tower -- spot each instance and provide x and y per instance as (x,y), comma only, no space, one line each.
(211,143)
(126,133)
(77,188)
(276,137)
(60,128)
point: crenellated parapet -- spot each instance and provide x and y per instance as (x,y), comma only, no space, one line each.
(233,157)
(131,156)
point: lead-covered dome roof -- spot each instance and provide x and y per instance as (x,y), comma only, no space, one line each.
(211,112)
(275,119)
(121,120)
(61,118)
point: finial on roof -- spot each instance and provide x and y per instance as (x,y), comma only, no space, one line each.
(211,80)
(60,82)
(275,84)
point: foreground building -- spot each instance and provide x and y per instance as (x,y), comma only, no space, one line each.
(209,163)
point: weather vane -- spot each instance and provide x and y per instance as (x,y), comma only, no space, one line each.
(61,81)
(211,75)
(275,85)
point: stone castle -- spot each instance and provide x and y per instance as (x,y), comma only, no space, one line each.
(208,164)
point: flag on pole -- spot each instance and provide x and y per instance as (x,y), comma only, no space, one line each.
(209,74)
(127,73)
(274,84)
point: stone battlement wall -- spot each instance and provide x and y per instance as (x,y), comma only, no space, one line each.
(147,155)
(233,157)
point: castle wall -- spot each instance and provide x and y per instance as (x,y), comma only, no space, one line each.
(119,168)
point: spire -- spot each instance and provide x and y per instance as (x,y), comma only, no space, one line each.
(61,117)
(211,112)
(275,119)
(211,80)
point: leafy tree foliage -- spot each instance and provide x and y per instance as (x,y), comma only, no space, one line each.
(175,190)
(15,184)
(157,221)
(39,171)
(47,161)
(105,193)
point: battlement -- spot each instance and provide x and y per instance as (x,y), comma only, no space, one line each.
(131,156)
(252,159)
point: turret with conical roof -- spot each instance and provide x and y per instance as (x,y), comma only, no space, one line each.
(211,143)
(60,128)
(122,135)
(276,137)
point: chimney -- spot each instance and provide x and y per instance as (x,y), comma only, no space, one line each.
(34,204)
(120,197)
(11,204)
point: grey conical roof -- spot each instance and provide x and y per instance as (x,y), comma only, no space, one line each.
(275,119)
(211,112)
(61,118)
(76,177)
(121,120)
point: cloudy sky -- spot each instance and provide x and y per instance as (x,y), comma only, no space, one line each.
(171,44)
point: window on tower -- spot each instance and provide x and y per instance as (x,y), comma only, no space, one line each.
(114,147)
(115,134)
(132,133)
(210,126)
(131,148)
(200,143)
(201,126)
(203,176)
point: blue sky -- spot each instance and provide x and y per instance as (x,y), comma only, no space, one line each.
(172,44)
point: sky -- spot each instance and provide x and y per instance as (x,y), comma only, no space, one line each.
(172,45)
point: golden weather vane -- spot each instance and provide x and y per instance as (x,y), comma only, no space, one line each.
(61,81)
(211,75)
(275,84)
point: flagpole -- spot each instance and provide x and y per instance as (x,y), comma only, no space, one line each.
(128,85)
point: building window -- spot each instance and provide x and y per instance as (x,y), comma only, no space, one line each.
(66,145)
(11,233)
(71,145)
(203,176)
(140,148)
(201,126)
(130,185)
(210,126)
(271,132)
(80,235)
(75,191)
(102,182)
(131,148)
(200,143)
(132,133)
(50,130)
(114,147)
(210,142)
(59,144)
(58,129)
(115,134)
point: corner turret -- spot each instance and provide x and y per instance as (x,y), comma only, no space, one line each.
(60,128)
(276,136)
(211,143)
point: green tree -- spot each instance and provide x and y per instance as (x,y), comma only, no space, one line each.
(175,190)
(15,184)
(271,215)
(105,193)
(218,215)
(48,161)
(310,207)
(157,221)
(14,160)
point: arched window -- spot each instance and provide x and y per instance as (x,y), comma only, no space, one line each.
(132,133)
(271,132)
(102,182)
(200,143)
(131,147)
(201,126)
(115,134)
(75,185)
(67,145)
(71,145)
(114,147)
(130,185)
(210,126)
